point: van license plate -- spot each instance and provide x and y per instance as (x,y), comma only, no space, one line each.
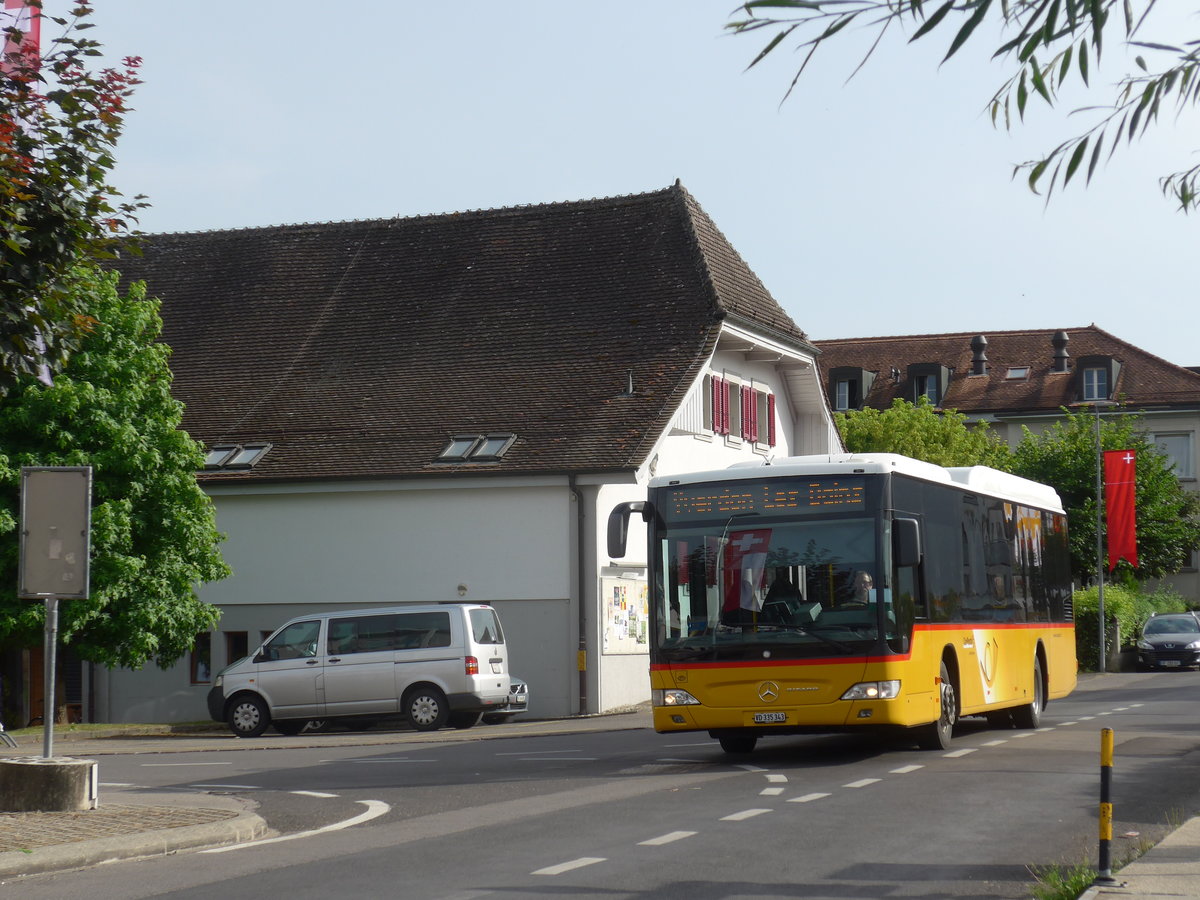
(768,718)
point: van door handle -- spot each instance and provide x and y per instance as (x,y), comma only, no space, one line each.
(311,662)
(334,659)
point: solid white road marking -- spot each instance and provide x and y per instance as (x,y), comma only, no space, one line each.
(375,809)
(668,838)
(568,866)
(807,798)
(743,815)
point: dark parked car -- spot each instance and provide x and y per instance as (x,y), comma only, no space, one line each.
(518,702)
(1170,641)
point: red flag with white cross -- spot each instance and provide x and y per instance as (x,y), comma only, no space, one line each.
(1120,482)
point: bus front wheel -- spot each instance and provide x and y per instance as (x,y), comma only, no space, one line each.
(937,735)
(738,743)
(1030,715)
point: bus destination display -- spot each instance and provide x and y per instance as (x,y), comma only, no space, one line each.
(824,495)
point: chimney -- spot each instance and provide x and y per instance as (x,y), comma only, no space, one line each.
(979,355)
(1061,358)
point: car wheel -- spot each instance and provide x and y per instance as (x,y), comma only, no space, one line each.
(463,720)
(738,743)
(937,735)
(248,715)
(1030,715)
(426,708)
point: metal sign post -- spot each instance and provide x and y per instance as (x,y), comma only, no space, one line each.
(56,509)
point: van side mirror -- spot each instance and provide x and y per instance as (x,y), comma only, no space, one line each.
(618,525)
(906,542)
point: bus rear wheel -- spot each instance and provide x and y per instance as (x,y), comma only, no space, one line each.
(937,735)
(1030,715)
(738,743)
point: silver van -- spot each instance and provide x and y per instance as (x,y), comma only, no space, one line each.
(436,664)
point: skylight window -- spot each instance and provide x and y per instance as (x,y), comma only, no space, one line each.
(1017,373)
(235,456)
(477,447)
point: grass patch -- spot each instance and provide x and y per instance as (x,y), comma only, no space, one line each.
(1062,882)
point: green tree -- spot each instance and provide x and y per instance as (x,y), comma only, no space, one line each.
(59,125)
(922,432)
(1046,44)
(153,537)
(1168,515)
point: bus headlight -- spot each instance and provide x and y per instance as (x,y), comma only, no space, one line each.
(672,697)
(873,690)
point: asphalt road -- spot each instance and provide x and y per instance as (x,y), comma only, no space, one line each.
(631,814)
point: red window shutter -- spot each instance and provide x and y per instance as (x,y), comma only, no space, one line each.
(725,406)
(771,420)
(720,405)
(747,414)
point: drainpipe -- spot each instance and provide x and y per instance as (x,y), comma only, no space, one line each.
(580,575)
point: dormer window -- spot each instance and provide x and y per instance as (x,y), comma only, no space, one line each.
(928,380)
(849,386)
(1095,384)
(1097,377)
(235,456)
(477,447)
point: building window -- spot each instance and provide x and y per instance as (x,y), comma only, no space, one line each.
(237,645)
(740,410)
(1018,373)
(1177,446)
(201,659)
(843,391)
(235,456)
(1095,384)
(476,447)
(926,386)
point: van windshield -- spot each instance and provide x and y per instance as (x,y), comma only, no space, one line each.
(485,627)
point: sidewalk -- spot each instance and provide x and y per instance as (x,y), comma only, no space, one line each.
(130,824)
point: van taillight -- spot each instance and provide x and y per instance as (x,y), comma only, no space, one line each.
(472,665)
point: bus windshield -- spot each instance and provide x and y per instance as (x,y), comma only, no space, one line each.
(750,586)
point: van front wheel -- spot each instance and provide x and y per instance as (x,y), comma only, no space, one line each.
(427,708)
(248,716)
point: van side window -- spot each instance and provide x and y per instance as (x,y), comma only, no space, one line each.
(486,627)
(427,629)
(394,631)
(296,641)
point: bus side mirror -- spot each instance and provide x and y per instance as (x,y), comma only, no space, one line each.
(618,525)
(906,542)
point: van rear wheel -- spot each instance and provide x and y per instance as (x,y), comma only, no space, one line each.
(248,715)
(426,708)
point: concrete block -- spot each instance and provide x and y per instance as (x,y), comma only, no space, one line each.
(54,784)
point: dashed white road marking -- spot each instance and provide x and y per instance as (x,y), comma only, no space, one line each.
(807,798)
(668,838)
(1065,724)
(320,794)
(904,770)
(1047,728)
(995,743)
(557,759)
(568,866)
(744,814)
(382,759)
(777,778)
(375,809)
(770,792)
(1086,718)
(750,768)
(862,782)
(955,754)
(1023,734)
(524,752)
(234,787)
(177,765)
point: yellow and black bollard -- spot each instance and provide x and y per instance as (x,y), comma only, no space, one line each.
(1106,761)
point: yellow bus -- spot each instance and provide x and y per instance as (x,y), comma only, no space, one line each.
(852,592)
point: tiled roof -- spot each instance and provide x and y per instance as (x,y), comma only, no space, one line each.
(1144,380)
(358,348)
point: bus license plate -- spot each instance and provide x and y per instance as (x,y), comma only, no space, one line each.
(769,718)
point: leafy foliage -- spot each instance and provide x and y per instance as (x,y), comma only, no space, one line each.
(59,125)
(1168,516)
(1126,609)
(922,432)
(153,530)
(1049,42)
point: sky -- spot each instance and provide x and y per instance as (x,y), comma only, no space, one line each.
(882,204)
